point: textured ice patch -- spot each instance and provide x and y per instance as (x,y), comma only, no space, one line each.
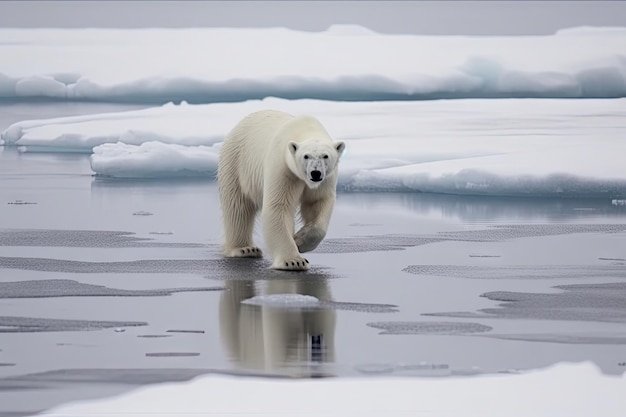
(566,338)
(164,266)
(519,271)
(130,376)
(33,324)
(69,288)
(82,238)
(581,302)
(374,243)
(504,232)
(429,328)
(172,354)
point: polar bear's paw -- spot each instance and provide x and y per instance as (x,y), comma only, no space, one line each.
(297,263)
(245,252)
(308,238)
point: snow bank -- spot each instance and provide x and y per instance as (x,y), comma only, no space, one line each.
(479,147)
(343,63)
(566,390)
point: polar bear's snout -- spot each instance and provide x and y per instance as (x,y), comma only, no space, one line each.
(316,176)
(316,168)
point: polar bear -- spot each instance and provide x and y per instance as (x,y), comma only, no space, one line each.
(277,163)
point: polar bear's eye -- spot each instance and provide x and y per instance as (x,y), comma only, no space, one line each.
(306,157)
(325,156)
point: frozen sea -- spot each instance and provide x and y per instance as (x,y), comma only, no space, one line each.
(476,251)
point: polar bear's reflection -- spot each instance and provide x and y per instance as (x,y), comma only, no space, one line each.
(275,340)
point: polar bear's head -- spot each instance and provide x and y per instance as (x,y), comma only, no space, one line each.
(313,161)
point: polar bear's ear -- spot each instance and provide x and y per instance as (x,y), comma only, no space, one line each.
(340,146)
(293,147)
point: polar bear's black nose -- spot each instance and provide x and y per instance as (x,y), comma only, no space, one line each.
(316,176)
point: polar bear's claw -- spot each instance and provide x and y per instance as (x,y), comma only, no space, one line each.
(246,252)
(298,264)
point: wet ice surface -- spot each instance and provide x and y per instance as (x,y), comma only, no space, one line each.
(96,299)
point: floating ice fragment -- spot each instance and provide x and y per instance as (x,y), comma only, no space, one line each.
(619,202)
(142,213)
(20,202)
(171,354)
(283,301)
(119,330)
(185,331)
(375,368)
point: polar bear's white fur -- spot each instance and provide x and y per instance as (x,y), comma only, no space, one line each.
(277,163)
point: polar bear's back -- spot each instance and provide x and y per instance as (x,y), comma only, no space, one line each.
(244,151)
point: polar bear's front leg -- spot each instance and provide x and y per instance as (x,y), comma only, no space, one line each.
(278,218)
(316,216)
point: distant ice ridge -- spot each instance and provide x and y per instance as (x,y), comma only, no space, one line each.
(345,62)
(529,147)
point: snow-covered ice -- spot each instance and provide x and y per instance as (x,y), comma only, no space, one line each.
(342,63)
(566,390)
(521,147)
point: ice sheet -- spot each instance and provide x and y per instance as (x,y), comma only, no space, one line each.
(517,147)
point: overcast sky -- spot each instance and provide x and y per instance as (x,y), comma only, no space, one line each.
(453,17)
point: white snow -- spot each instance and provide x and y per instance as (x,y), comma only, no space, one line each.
(522,147)
(344,62)
(566,390)
(283,301)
